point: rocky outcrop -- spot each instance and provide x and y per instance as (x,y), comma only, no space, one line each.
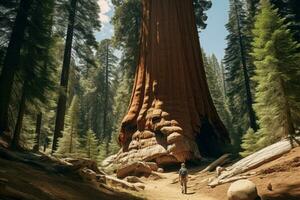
(242,190)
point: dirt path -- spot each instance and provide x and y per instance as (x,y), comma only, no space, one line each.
(167,189)
(281,173)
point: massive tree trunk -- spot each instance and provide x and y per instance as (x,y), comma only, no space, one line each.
(171,116)
(62,99)
(11,61)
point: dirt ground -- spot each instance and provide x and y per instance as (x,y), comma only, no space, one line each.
(283,174)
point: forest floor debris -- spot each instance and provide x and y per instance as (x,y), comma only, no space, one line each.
(26,180)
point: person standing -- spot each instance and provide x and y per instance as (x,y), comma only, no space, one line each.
(183,178)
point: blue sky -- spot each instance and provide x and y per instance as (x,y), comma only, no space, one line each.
(212,38)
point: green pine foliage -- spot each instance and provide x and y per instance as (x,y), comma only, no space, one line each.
(216,84)
(250,143)
(7,16)
(69,144)
(290,10)
(102,153)
(238,70)
(277,75)
(91,145)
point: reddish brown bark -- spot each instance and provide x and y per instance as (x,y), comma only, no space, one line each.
(170,103)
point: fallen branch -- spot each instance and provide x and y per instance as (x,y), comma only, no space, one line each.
(220,161)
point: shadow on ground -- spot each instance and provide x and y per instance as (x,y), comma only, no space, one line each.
(286,192)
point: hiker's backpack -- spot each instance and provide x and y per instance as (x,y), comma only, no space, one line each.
(183,172)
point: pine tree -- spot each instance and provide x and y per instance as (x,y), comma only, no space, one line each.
(238,71)
(11,61)
(91,145)
(290,10)
(215,79)
(277,73)
(69,144)
(7,16)
(250,143)
(82,22)
(38,67)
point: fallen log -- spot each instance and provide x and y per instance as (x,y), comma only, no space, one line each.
(253,161)
(220,161)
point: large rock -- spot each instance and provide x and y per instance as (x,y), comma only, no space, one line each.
(152,165)
(88,174)
(134,169)
(242,190)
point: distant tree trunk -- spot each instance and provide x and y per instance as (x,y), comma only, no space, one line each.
(251,113)
(62,100)
(223,81)
(289,129)
(71,139)
(171,116)
(16,137)
(106,100)
(106,92)
(11,61)
(38,131)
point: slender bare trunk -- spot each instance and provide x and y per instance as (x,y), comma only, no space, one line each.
(62,100)
(249,99)
(106,92)
(17,132)
(38,131)
(71,139)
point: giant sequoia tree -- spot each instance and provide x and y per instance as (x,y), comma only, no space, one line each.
(171,117)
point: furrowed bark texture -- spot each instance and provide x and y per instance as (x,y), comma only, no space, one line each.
(171,116)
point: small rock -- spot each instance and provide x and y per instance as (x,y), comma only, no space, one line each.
(270,187)
(152,165)
(242,190)
(160,170)
(133,179)
(87,174)
(101,178)
(140,185)
(219,170)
